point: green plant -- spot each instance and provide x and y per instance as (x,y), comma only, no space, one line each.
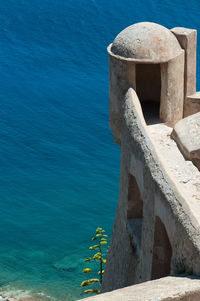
(101,240)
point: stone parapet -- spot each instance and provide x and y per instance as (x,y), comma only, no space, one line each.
(192,104)
(164,289)
(186,133)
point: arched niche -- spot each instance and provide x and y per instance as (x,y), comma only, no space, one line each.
(135,202)
(162,251)
(134,213)
(148,89)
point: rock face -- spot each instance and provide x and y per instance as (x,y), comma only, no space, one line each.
(186,133)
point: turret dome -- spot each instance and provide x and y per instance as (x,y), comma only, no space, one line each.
(146,41)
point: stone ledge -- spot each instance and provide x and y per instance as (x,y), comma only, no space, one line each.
(192,104)
(186,133)
(164,289)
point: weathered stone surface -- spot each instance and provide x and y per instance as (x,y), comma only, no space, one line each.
(162,198)
(185,174)
(192,104)
(164,289)
(186,133)
(121,76)
(146,41)
(171,102)
(129,56)
(157,225)
(188,41)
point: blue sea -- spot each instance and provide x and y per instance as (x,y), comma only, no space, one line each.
(59,165)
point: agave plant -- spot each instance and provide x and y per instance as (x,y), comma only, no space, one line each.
(100,239)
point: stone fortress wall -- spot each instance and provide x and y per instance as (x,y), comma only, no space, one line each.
(155,118)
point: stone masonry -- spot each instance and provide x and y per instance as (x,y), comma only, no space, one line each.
(155,118)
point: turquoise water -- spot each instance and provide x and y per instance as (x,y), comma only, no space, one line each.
(59,166)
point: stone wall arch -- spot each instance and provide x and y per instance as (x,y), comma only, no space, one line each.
(162,251)
(135,202)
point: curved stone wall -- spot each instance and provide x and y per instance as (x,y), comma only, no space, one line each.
(130,260)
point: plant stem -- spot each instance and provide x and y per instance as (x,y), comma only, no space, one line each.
(101,264)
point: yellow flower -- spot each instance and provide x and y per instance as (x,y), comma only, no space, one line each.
(89,281)
(87,270)
(103,242)
(94,247)
(87,259)
(95,290)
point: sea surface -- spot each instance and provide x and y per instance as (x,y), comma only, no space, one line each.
(59,165)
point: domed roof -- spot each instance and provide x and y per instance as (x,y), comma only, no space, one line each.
(146,41)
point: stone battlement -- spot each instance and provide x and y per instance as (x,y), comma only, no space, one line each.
(155,118)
